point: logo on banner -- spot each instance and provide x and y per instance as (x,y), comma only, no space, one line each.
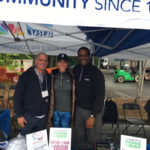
(35,32)
(15,30)
(3,29)
(37,140)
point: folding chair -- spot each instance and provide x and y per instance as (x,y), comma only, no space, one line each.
(11,91)
(2,94)
(10,99)
(110,115)
(130,108)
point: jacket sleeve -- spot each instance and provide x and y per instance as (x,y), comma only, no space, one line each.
(99,92)
(19,97)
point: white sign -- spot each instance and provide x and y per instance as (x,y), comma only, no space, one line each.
(37,140)
(60,139)
(104,13)
(132,143)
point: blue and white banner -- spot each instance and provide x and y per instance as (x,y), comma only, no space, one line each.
(104,13)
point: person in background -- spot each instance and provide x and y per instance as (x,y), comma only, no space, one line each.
(90,94)
(62,94)
(31,97)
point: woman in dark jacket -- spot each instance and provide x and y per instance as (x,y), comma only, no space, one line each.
(62,94)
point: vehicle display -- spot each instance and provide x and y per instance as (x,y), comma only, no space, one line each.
(126,74)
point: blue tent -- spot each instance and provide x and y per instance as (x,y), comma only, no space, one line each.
(112,40)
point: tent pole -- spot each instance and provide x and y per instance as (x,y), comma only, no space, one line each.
(143,73)
(142,67)
(75,37)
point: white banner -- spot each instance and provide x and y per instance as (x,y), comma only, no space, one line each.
(60,139)
(37,140)
(132,143)
(104,13)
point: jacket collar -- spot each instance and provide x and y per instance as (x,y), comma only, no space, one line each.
(85,66)
(33,71)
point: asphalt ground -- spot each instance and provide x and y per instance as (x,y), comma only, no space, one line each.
(126,89)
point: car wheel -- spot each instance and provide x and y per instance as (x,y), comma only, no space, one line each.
(120,79)
(137,78)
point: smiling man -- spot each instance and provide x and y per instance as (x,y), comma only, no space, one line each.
(90,94)
(31,98)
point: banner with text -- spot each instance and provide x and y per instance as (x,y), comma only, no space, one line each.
(37,140)
(60,139)
(104,13)
(132,143)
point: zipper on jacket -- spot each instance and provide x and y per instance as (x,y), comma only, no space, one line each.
(61,78)
(81,74)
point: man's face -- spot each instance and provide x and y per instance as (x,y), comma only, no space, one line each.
(83,57)
(41,62)
(62,65)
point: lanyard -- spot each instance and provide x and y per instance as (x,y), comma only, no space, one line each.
(43,82)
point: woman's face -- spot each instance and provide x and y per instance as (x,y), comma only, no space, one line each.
(62,65)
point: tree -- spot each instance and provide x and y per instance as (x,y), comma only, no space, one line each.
(4,58)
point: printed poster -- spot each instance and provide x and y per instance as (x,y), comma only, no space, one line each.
(37,140)
(132,143)
(60,139)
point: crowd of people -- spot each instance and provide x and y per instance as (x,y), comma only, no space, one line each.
(64,98)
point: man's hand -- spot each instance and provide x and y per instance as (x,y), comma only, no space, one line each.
(90,122)
(21,121)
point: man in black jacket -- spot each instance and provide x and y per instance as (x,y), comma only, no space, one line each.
(31,98)
(90,94)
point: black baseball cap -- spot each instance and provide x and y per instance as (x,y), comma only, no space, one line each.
(62,56)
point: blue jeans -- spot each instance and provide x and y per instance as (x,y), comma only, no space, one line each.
(61,119)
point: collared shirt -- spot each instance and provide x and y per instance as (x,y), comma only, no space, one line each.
(40,76)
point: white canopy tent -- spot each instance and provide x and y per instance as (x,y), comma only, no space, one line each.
(25,38)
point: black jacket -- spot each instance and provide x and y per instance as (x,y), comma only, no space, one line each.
(90,88)
(28,97)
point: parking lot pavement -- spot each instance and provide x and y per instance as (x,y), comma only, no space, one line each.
(109,136)
(123,90)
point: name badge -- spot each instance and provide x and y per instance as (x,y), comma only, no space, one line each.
(44,94)
(87,79)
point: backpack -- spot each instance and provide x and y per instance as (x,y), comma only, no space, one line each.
(110,111)
(147,106)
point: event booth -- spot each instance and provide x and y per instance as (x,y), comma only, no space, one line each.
(110,28)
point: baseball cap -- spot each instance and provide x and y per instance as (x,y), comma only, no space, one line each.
(62,56)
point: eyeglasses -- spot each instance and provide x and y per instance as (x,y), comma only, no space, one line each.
(42,60)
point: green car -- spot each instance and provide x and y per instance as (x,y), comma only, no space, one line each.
(125,75)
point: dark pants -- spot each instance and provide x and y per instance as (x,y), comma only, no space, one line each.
(83,134)
(33,124)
